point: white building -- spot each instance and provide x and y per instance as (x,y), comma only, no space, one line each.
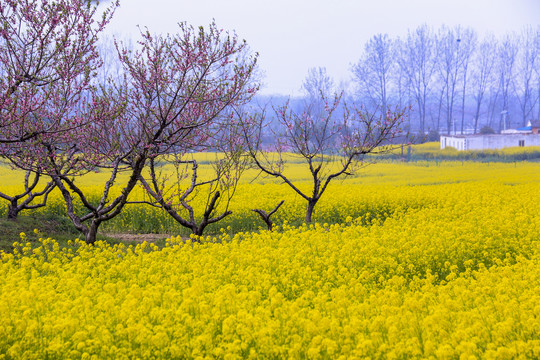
(528,136)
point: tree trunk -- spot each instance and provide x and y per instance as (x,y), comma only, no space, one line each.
(463,100)
(266,216)
(91,234)
(477,116)
(198,230)
(13,210)
(310,208)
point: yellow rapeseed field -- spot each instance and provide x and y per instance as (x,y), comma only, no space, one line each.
(406,261)
(378,189)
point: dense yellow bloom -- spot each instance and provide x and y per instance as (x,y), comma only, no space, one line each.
(452,272)
(375,191)
(411,260)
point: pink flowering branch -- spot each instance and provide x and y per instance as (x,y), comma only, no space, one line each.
(48,57)
(173,92)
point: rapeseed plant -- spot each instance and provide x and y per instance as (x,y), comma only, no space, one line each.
(454,275)
(405,261)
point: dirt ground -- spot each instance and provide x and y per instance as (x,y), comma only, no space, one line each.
(137,237)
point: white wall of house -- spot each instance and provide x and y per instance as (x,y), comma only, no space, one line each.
(484,142)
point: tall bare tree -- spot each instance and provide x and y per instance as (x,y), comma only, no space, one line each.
(418,59)
(467,45)
(374,71)
(507,54)
(447,70)
(537,71)
(316,82)
(482,74)
(528,60)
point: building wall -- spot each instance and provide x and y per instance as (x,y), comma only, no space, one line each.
(484,142)
(453,141)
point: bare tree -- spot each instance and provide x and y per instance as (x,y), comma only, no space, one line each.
(374,71)
(316,86)
(537,71)
(328,146)
(111,69)
(418,59)
(448,67)
(482,74)
(454,48)
(528,60)
(467,40)
(177,193)
(404,97)
(25,199)
(316,82)
(507,54)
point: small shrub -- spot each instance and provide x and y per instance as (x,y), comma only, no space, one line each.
(486,130)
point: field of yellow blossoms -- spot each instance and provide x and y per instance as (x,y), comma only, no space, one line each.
(406,261)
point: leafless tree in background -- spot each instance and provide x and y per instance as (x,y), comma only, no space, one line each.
(528,60)
(374,72)
(317,81)
(418,58)
(507,55)
(447,71)
(537,71)
(467,41)
(482,74)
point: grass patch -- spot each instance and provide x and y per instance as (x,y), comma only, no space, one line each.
(37,226)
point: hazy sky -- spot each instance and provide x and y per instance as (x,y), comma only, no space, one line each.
(293,35)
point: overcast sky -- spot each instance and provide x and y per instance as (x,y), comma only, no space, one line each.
(293,35)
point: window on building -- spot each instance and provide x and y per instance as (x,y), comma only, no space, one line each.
(521,142)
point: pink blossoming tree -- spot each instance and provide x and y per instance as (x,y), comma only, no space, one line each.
(48,58)
(173,91)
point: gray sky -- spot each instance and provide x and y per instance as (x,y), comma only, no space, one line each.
(293,35)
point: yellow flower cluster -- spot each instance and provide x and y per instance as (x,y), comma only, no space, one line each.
(432,150)
(451,272)
(378,189)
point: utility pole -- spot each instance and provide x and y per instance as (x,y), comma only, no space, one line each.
(503,115)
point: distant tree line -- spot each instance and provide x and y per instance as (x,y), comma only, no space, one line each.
(453,79)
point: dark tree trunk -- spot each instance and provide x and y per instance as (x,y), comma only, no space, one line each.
(13,210)
(476,117)
(199,230)
(266,216)
(91,234)
(310,208)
